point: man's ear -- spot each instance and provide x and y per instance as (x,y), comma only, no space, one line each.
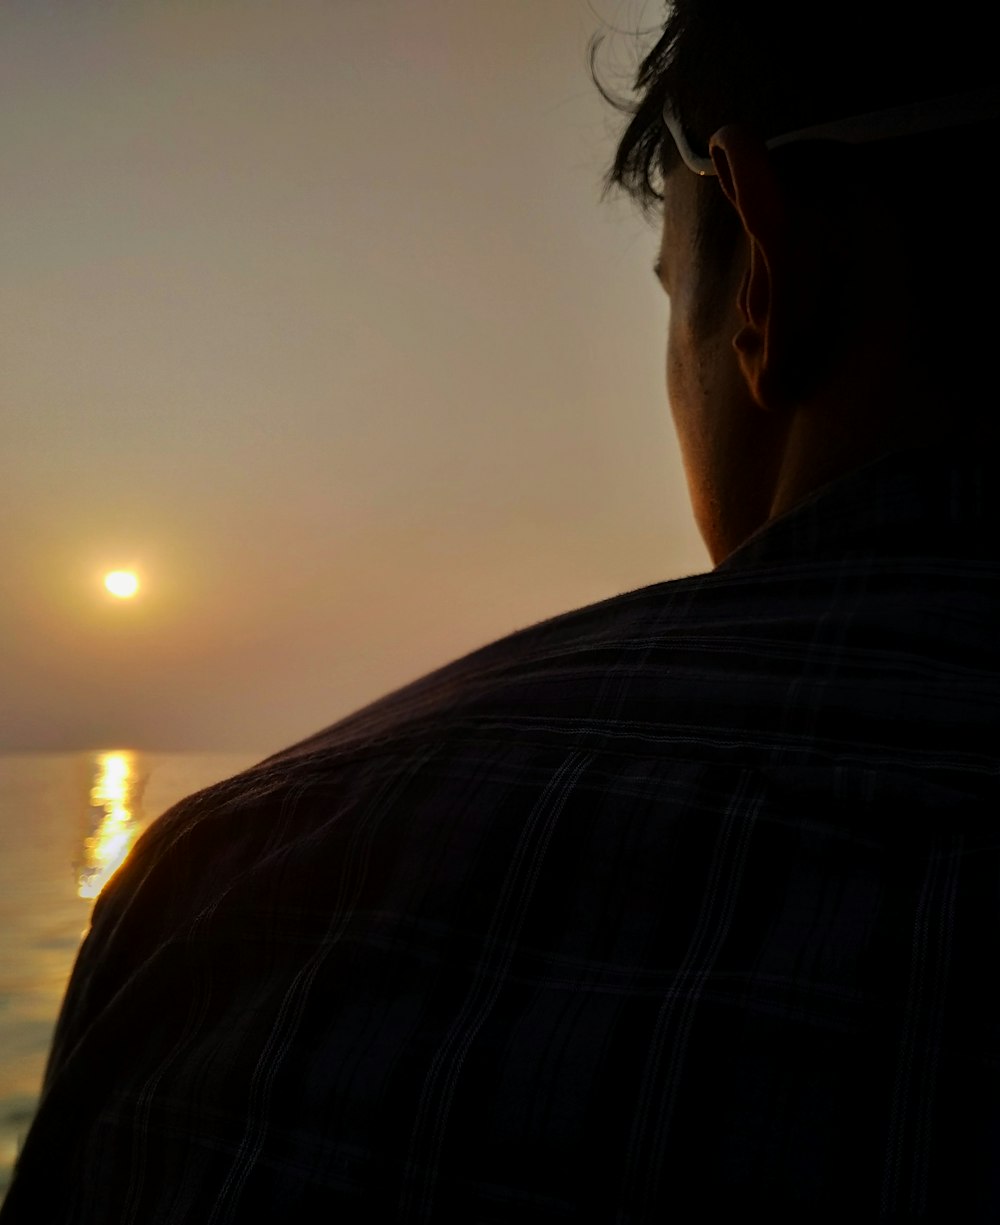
(748,181)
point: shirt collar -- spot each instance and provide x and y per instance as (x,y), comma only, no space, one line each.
(918,500)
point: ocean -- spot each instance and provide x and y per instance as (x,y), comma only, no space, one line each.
(66,821)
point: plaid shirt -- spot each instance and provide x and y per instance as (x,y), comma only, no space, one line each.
(682,903)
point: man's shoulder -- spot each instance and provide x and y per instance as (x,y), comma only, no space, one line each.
(565,652)
(506,691)
(510,689)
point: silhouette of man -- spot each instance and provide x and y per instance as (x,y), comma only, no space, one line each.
(686,902)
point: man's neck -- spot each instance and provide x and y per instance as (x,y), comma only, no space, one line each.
(844,430)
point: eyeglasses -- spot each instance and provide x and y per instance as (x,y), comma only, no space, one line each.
(912,119)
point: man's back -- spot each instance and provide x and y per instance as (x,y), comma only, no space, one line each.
(683,901)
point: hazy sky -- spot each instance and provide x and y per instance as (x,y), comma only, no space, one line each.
(311,314)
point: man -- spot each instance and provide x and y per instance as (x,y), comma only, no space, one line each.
(680,904)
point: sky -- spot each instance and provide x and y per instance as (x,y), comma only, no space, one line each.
(312,315)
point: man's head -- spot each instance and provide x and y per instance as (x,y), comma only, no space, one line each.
(826,299)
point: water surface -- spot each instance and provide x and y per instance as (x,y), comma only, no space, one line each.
(66,822)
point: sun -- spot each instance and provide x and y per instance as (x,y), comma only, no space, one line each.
(122,584)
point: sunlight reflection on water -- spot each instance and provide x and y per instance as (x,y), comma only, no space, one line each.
(115,818)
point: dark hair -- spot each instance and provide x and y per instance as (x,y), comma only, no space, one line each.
(778,66)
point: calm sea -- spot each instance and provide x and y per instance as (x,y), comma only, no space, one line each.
(66,822)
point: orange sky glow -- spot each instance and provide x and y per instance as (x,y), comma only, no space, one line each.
(313,317)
